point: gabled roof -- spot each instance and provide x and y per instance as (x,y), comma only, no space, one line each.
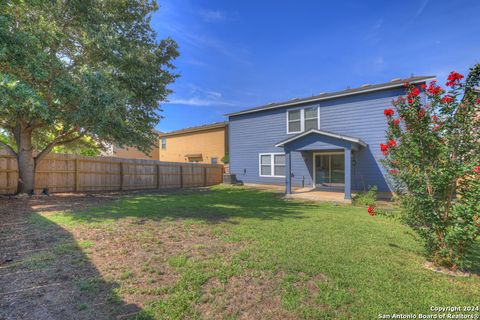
(195,129)
(330,95)
(323,133)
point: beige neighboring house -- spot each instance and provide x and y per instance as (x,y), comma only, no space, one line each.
(202,144)
(130,152)
(133,153)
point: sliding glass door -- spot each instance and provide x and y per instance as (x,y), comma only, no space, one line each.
(329,170)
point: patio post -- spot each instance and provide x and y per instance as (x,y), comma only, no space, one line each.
(288,173)
(348,173)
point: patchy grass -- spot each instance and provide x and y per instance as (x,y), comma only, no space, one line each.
(233,252)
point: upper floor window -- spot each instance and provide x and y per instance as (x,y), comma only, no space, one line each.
(164,143)
(300,120)
(294,121)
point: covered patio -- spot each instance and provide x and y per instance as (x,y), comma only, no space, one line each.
(328,157)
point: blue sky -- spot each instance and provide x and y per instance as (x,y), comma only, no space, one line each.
(241,54)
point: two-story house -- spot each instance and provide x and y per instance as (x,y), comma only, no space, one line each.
(203,144)
(329,141)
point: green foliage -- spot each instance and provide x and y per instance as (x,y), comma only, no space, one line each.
(433,156)
(366,198)
(225,159)
(78,68)
(84,146)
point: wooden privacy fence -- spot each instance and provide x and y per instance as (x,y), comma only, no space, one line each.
(72,173)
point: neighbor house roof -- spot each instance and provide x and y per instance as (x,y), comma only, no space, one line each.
(195,129)
(323,133)
(330,95)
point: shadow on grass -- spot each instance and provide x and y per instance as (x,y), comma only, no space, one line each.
(45,273)
(220,204)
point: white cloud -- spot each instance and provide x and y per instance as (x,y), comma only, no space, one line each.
(421,8)
(197,101)
(213,15)
(193,95)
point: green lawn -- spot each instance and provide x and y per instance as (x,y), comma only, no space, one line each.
(234,252)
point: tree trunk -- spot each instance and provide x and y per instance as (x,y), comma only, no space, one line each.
(26,161)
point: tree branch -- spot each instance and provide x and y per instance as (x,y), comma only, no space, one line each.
(57,141)
(8,148)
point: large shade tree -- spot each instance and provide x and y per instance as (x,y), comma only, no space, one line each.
(76,68)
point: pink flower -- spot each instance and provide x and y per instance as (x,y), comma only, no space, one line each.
(476,169)
(392,143)
(394,171)
(396,122)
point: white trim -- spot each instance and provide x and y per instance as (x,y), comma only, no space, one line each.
(327,98)
(302,118)
(272,164)
(314,163)
(328,134)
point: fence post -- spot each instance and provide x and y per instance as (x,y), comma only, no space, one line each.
(181,176)
(204,176)
(121,176)
(77,174)
(158,176)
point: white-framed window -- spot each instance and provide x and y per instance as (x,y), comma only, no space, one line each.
(300,120)
(271,165)
(294,121)
(164,143)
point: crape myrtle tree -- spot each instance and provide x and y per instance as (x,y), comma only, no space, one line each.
(77,68)
(432,153)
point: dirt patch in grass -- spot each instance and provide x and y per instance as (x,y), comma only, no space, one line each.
(253,295)
(89,271)
(38,277)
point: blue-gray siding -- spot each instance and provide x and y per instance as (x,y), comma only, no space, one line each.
(359,116)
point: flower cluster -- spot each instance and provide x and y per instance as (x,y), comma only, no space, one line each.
(454,78)
(447,99)
(384,147)
(371,210)
(412,94)
(433,89)
(388,112)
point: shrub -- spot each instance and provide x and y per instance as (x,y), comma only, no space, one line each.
(432,153)
(367,198)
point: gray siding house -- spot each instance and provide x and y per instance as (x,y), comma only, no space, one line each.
(329,142)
